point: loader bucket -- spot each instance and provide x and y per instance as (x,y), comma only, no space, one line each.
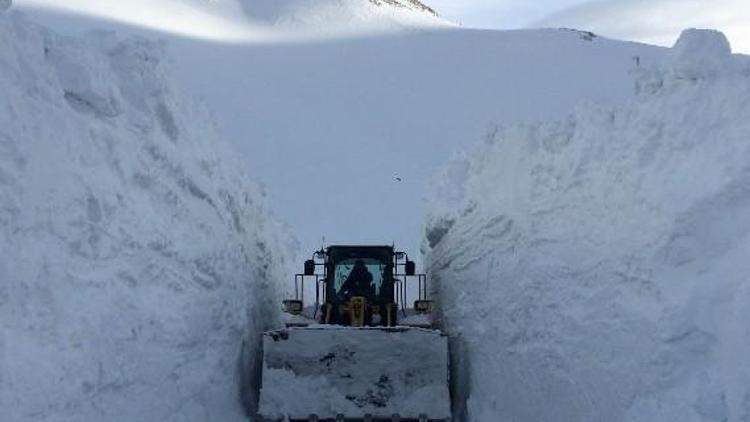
(330,372)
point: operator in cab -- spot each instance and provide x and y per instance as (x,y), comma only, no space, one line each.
(359,282)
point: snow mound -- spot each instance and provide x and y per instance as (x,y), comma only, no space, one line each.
(137,265)
(700,54)
(596,268)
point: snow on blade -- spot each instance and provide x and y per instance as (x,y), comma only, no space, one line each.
(136,261)
(329,370)
(595,268)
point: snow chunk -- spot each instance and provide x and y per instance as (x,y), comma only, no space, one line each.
(699,54)
(5,5)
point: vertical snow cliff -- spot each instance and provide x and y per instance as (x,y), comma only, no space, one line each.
(596,268)
(136,263)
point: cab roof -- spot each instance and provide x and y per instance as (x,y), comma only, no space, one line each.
(378,249)
(359,246)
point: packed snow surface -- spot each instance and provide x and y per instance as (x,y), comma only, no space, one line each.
(137,264)
(596,268)
(328,370)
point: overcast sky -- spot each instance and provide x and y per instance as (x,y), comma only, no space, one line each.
(652,21)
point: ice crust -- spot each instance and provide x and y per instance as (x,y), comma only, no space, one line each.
(595,268)
(137,263)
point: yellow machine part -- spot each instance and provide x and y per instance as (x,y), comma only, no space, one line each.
(356,309)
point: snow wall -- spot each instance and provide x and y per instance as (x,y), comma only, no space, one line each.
(137,264)
(596,268)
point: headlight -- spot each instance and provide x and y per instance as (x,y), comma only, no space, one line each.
(293,307)
(423,306)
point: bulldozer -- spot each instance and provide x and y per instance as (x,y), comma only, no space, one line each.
(358,352)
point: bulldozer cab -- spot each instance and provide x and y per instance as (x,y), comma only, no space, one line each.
(359,286)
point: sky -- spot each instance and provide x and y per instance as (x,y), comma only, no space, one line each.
(652,21)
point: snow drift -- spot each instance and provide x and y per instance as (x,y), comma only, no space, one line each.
(137,265)
(595,268)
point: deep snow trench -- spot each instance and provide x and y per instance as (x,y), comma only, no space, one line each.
(595,268)
(592,268)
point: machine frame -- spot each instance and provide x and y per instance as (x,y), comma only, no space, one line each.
(360,311)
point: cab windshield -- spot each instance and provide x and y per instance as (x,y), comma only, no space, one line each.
(358,277)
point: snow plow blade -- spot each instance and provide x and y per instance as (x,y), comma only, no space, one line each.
(345,373)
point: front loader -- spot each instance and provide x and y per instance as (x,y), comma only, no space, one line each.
(358,352)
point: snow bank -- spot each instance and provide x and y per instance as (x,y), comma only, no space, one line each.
(700,54)
(596,268)
(137,266)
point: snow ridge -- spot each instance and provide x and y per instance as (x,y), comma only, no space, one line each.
(138,265)
(328,15)
(409,4)
(596,268)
